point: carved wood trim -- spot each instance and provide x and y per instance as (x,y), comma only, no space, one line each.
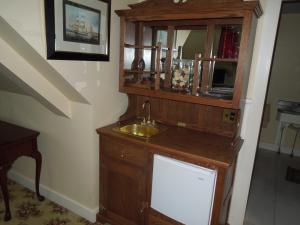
(185,7)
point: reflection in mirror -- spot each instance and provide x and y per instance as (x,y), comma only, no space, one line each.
(224,75)
(222,79)
(192,42)
(188,43)
(227,41)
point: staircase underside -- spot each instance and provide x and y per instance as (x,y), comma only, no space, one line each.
(24,71)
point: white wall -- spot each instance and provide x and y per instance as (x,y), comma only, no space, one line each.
(285,79)
(69,146)
(262,56)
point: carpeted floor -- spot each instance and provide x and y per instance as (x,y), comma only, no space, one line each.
(27,210)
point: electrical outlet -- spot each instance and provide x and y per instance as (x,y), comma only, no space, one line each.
(229,116)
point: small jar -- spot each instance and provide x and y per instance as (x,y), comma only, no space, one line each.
(182,75)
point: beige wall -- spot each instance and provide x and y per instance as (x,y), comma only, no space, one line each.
(69,146)
(260,69)
(195,43)
(71,167)
(285,76)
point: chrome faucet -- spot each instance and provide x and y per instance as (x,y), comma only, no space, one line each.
(148,121)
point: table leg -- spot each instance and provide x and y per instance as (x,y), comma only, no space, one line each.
(3,184)
(38,159)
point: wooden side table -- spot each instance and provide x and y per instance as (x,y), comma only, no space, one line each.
(15,142)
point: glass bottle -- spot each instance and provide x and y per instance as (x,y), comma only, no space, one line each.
(181,75)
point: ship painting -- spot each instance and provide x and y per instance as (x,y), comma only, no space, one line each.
(81,23)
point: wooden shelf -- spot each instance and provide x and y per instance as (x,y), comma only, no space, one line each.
(140,33)
(139,72)
(180,96)
(141,47)
(218,59)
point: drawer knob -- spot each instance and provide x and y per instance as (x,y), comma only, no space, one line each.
(123,155)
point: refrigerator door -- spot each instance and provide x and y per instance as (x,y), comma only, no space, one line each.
(183,191)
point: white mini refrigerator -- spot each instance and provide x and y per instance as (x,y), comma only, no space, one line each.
(183,191)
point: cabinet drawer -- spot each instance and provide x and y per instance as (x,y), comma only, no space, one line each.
(124,150)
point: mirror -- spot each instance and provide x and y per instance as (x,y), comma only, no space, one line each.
(224,75)
(191,42)
(225,46)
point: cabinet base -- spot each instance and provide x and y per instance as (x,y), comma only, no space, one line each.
(113,219)
(103,219)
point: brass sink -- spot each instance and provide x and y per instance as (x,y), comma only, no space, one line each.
(139,130)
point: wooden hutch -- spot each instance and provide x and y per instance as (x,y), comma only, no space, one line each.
(191,60)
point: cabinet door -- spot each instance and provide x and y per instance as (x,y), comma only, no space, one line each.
(122,192)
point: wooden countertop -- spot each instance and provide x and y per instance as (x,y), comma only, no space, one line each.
(208,149)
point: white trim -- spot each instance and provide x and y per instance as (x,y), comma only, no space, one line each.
(283,149)
(75,207)
(258,82)
(247,101)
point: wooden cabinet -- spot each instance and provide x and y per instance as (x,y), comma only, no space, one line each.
(190,60)
(123,173)
(191,51)
(123,189)
(126,172)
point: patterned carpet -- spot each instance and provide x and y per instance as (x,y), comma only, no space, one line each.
(27,210)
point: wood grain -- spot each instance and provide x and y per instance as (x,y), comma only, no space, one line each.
(121,179)
(198,117)
(189,15)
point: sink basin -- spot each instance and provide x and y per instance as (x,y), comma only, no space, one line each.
(138,130)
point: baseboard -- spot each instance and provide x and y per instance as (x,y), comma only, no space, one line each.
(73,206)
(283,149)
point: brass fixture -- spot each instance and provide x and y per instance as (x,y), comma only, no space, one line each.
(139,130)
(148,115)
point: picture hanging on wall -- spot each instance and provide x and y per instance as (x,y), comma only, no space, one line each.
(78,29)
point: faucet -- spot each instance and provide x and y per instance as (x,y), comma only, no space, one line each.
(148,121)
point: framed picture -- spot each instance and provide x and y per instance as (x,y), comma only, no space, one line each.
(78,29)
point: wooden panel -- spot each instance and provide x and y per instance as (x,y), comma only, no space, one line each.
(207,64)
(117,178)
(200,117)
(156,218)
(250,23)
(227,192)
(182,24)
(124,151)
(168,94)
(123,189)
(192,9)
(169,57)
(208,150)
(244,56)
(123,33)
(192,13)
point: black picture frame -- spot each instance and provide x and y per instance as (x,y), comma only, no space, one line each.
(86,38)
